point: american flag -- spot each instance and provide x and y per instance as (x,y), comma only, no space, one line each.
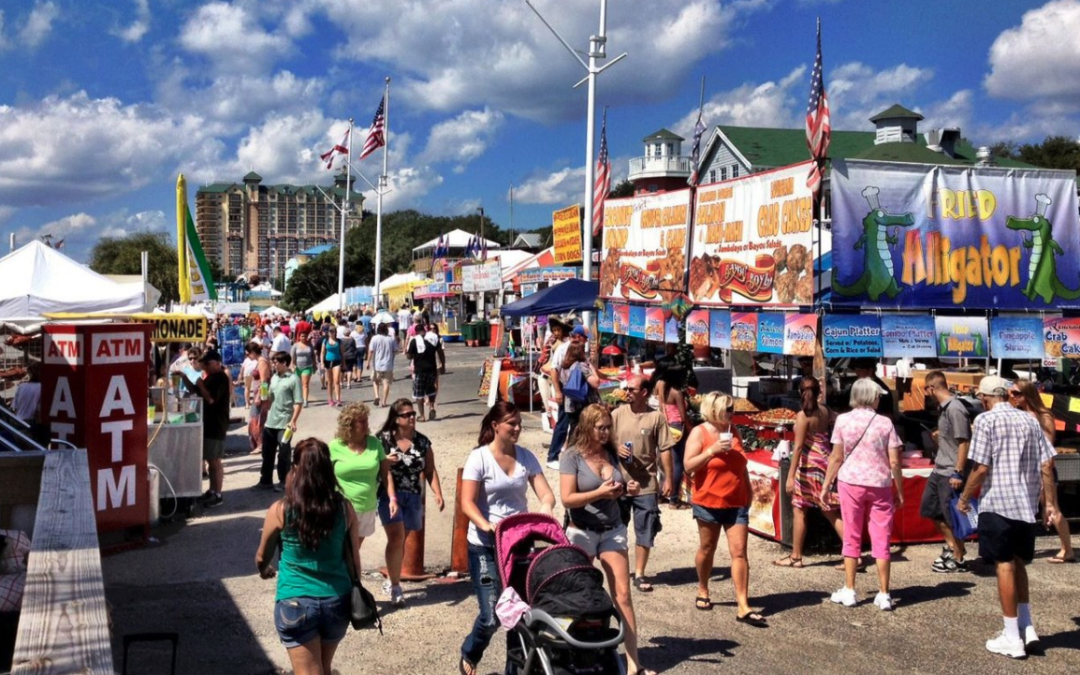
(341,148)
(818,125)
(602,184)
(376,135)
(695,151)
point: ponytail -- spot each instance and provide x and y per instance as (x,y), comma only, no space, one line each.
(809,392)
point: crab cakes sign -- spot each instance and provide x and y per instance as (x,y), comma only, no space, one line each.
(644,250)
(923,236)
(752,241)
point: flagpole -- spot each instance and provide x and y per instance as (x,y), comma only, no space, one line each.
(379,194)
(181,239)
(344,212)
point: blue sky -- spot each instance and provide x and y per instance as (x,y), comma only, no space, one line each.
(103,103)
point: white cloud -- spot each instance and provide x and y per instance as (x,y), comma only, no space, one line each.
(235,100)
(770,104)
(562,186)
(74,229)
(105,148)
(39,24)
(138,27)
(463,138)
(231,37)
(1040,59)
(857,92)
(955,111)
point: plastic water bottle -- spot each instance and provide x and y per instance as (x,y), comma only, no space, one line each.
(287,436)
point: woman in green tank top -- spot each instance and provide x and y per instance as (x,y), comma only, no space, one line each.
(315,526)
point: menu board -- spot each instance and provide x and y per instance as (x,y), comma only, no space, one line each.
(644,248)
(720,328)
(910,335)
(1062,338)
(800,334)
(637,321)
(744,331)
(621,319)
(697,328)
(770,333)
(1016,338)
(851,335)
(654,324)
(962,336)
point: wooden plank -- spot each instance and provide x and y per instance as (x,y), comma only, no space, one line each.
(64,623)
(20,481)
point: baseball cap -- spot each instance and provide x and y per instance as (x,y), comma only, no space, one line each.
(992,385)
(211,355)
(579,330)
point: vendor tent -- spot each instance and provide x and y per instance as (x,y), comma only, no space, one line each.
(40,280)
(330,304)
(573,295)
(453,240)
(273,311)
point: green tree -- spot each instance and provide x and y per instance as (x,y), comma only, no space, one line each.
(318,279)
(624,189)
(122,255)
(1055,152)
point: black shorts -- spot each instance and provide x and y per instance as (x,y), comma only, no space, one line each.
(1003,539)
(935,498)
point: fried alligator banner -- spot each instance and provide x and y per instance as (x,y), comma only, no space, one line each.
(921,236)
(644,250)
(752,241)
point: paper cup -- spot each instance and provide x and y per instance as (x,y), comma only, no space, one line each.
(726,436)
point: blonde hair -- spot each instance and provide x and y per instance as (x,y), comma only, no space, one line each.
(590,417)
(347,419)
(714,404)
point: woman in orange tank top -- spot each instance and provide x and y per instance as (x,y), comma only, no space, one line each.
(721,493)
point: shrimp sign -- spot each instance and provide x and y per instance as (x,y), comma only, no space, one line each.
(94,395)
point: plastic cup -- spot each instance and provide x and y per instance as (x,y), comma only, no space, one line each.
(150,410)
(264,389)
(726,436)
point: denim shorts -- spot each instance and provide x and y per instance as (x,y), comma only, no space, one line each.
(301,620)
(410,511)
(594,543)
(736,515)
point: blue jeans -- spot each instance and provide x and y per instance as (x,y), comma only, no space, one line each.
(485,581)
(677,454)
(563,427)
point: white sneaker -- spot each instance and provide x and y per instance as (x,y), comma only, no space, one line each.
(845,596)
(883,601)
(387,589)
(1030,636)
(1001,644)
(553,464)
(397,596)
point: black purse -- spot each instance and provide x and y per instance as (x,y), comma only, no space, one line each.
(363,613)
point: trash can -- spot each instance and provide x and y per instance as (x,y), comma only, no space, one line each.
(468,333)
(483,329)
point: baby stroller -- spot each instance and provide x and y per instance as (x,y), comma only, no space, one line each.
(572,627)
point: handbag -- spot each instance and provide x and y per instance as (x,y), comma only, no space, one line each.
(576,388)
(363,612)
(963,524)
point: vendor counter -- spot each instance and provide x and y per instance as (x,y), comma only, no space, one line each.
(176,446)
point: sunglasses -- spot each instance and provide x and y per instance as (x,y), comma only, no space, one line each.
(408,414)
(1014,393)
(603,429)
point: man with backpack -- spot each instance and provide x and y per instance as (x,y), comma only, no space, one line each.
(953,436)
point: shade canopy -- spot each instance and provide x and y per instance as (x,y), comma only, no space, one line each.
(572,295)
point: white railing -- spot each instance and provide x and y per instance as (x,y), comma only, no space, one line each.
(659,165)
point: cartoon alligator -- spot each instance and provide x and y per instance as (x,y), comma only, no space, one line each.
(1042,268)
(877,277)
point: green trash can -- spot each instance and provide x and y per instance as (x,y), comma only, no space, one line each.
(483,333)
(468,333)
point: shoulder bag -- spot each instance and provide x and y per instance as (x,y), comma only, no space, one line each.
(363,613)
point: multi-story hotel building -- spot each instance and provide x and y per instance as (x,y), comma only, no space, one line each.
(251,228)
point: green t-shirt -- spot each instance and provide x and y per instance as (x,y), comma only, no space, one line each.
(358,473)
(321,573)
(287,393)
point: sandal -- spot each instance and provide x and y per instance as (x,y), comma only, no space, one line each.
(466,668)
(703,604)
(1060,559)
(789,561)
(753,619)
(642,584)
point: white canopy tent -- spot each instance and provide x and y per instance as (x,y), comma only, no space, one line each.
(454,239)
(273,311)
(330,304)
(40,280)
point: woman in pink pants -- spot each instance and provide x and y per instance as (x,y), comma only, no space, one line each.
(864,461)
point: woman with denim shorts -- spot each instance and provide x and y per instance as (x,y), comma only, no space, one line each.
(494,485)
(721,495)
(412,462)
(315,526)
(590,484)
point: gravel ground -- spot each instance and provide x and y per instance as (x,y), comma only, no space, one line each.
(200,581)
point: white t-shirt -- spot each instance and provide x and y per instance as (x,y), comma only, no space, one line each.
(382,349)
(498,495)
(404,318)
(281,343)
(360,337)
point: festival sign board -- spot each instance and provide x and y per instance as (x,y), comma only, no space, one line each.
(770,333)
(566,231)
(486,276)
(621,319)
(720,328)
(671,330)
(1013,337)
(644,248)
(654,324)
(536,275)
(800,334)
(637,321)
(607,321)
(752,241)
(744,331)
(1062,338)
(962,336)
(934,237)
(851,335)
(697,328)
(910,335)
(176,327)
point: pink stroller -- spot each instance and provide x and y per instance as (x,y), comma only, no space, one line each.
(572,627)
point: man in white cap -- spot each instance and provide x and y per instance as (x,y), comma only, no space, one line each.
(1012,460)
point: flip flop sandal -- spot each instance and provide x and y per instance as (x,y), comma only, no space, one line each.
(463,664)
(642,584)
(1060,560)
(703,604)
(753,619)
(794,563)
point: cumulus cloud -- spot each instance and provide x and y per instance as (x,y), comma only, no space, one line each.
(33,30)
(138,28)
(233,39)
(769,104)
(955,111)
(232,101)
(562,186)
(463,138)
(1039,59)
(857,92)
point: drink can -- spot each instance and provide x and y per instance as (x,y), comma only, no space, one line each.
(629,446)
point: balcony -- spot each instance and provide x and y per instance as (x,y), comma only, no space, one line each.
(659,167)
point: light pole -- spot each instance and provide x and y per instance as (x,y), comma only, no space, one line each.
(597,50)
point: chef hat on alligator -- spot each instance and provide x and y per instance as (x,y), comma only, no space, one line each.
(870,192)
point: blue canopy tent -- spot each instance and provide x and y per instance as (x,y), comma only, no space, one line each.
(572,295)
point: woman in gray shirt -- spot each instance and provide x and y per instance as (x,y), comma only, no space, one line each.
(303,358)
(590,484)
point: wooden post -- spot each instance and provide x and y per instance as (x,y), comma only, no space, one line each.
(459,545)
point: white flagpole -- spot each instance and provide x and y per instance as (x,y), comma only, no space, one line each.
(344,211)
(379,193)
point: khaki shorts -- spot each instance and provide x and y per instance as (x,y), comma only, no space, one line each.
(367,522)
(213,448)
(384,376)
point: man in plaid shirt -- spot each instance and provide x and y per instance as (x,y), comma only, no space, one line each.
(1010,455)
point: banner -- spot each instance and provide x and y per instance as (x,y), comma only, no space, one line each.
(720,328)
(176,327)
(637,321)
(921,236)
(566,231)
(644,249)
(752,240)
(621,319)
(1016,338)
(483,277)
(1062,338)
(654,324)
(196,284)
(800,334)
(607,321)
(671,330)
(435,289)
(962,337)
(744,329)
(910,335)
(851,336)
(697,328)
(536,275)
(770,333)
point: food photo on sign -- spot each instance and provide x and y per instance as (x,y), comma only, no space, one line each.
(643,257)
